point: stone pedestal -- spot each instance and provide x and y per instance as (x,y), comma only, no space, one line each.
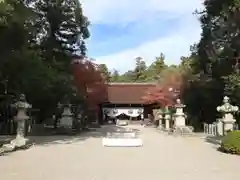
(79,120)
(160,119)
(66,120)
(167,118)
(228,122)
(179,116)
(167,121)
(20,140)
(179,119)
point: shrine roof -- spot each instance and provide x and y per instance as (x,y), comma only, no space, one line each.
(127,93)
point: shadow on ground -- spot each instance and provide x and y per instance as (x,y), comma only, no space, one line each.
(216,140)
(50,137)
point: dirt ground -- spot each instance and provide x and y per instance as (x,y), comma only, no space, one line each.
(83,157)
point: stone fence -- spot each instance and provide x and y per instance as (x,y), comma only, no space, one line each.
(210,129)
(216,129)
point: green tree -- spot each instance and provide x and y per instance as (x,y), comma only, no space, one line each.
(129,76)
(115,76)
(41,38)
(139,71)
(154,70)
(215,69)
(104,71)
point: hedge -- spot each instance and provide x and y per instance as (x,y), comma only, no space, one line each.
(231,143)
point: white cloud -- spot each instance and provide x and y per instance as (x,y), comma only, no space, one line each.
(173,46)
(124,12)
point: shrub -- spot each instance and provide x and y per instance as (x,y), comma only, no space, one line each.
(231,143)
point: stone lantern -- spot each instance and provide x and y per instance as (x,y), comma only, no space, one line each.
(22,106)
(227,110)
(179,116)
(20,141)
(167,118)
(66,120)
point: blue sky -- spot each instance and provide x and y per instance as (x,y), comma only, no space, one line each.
(123,30)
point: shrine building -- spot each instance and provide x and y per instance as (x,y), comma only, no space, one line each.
(124,101)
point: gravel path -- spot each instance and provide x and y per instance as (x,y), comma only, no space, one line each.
(83,158)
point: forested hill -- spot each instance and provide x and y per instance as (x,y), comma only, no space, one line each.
(141,72)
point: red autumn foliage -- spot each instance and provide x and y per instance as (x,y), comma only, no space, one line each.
(166,92)
(159,95)
(89,82)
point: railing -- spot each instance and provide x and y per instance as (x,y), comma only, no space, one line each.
(210,129)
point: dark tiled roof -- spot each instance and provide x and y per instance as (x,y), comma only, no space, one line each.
(127,93)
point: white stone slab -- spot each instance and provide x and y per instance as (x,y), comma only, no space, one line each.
(119,142)
(122,123)
(121,135)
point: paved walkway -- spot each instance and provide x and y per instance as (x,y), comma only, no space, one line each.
(162,157)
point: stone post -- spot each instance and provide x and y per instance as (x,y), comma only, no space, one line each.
(167,118)
(79,116)
(227,119)
(220,130)
(179,116)
(160,117)
(58,114)
(142,119)
(155,117)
